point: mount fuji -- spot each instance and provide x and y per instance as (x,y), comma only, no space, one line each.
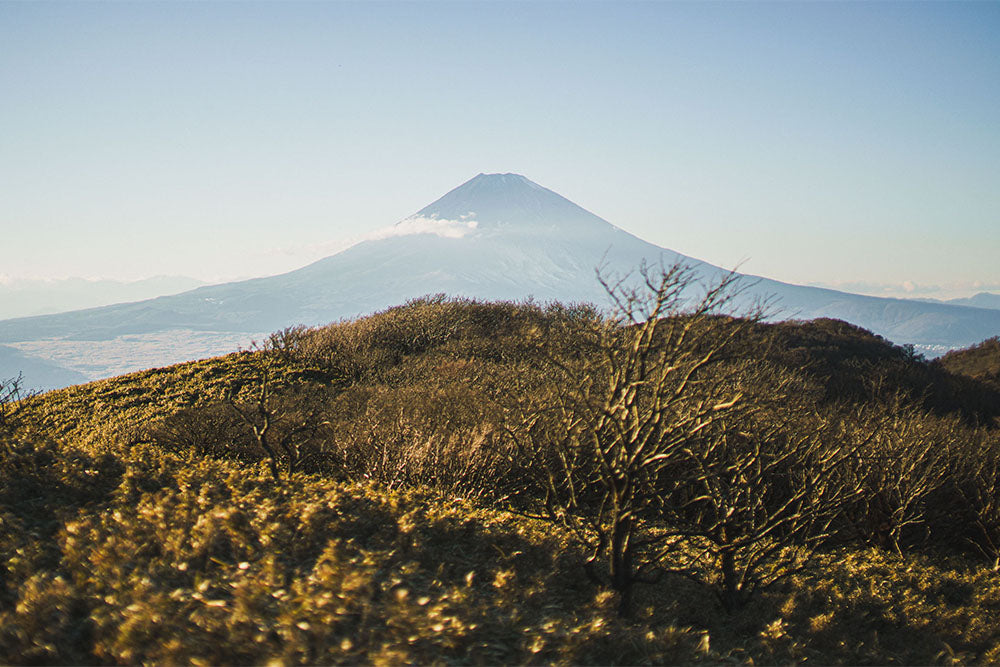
(497,236)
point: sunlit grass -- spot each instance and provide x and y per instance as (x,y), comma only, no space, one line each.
(119,549)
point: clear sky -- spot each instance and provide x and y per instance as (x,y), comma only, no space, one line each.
(827,143)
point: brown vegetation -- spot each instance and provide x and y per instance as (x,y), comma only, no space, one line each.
(980,361)
(427,485)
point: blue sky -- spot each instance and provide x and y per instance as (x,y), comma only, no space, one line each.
(854,144)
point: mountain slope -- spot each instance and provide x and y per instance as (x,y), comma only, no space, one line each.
(497,236)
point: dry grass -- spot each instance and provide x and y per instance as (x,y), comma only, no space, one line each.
(155,560)
(116,549)
(212,564)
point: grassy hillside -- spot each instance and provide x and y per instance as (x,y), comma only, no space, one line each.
(399,516)
(979,361)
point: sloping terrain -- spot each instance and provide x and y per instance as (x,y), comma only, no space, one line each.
(981,362)
(143,524)
(498,236)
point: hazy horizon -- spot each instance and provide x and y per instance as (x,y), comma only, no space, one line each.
(852,146)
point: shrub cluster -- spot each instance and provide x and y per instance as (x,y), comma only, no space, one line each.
(426,485)
(428,394)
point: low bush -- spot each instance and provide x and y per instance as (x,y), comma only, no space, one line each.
(391,517)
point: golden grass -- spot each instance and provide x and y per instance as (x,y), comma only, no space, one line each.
(114,550)
(153,558)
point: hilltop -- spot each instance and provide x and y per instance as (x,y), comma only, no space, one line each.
(395,520)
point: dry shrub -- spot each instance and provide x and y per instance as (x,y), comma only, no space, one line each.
(209,430)
(905,463)
(447,436)
(296,435)
(364,349)
(980,361)
(757,493)
(185,550)
(974,495)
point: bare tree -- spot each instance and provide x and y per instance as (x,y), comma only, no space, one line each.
(978,485)
(283,426)
(901,462)
(613,424)
(757,492)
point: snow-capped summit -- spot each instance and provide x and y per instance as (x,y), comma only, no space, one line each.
(511,201)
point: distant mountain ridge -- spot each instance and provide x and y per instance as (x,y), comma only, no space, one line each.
(497,236)
(981,300)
